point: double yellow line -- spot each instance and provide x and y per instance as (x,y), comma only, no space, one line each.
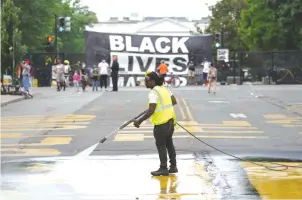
(184,109)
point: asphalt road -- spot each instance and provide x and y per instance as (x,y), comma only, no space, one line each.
(254,122)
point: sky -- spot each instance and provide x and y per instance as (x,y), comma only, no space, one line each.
(152,8)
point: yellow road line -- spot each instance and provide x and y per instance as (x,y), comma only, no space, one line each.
(33,126)
(188,110)
(129,137)
(275,184)
(192,131)
(67,127)
(42,116)
(41,123)
(284,122)
(10,135)
(45,142)
(18,121)
(214,137)
(46,121)
(203,127)
(291,126)
(181,109)
(29,152)
(274,116)
(17,135)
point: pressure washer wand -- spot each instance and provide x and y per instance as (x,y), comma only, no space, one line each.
(120,128)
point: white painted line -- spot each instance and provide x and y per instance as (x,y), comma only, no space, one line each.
(219,102)
(238,115)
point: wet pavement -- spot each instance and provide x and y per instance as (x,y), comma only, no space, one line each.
(49,146)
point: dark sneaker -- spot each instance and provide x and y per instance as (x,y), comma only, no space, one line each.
(173,169)
(160,172)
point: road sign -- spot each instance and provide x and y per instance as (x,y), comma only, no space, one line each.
(223,55)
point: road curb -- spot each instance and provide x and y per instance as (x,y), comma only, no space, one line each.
(12,101)
(17,100)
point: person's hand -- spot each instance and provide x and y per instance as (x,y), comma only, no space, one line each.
(136,123)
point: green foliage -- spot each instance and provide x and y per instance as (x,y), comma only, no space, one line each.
(226,18)
(32,21)
(9,33)
(258,24)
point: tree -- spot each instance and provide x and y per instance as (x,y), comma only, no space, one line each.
(37,21)
(28,23)
(11,47)
(198,29)
(226,18)
(80,16)
(272,25)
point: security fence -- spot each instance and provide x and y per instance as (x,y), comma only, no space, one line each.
(280,67)
(43,63)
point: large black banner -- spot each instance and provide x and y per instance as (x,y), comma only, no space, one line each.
(139,53)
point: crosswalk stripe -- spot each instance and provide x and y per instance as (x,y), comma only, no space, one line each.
(58,122)
(235,128)
(284,120)
(10,135)
(28,152)
(292,126)
(183,131)
(58,127)
(49,141)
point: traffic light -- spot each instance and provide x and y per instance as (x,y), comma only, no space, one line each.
(64,24)
(49,44)
(49,40)
(217,40)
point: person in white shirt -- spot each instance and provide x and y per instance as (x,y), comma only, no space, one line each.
(59,71)
(67,70)
(103,70)
(205,71)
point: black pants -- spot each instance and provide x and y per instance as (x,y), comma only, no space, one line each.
(114,76)
(103,81)
(163,139)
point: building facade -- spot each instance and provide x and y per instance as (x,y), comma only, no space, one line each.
(163,26)
(177,26)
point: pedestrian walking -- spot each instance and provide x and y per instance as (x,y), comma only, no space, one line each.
(212,78)
(95,78)
(163,70)
(191,72)
(84,78)
(205,71)
(26,76)
(103,70)
(67,70)
(163,118)
(60,75)
(114,73)
(76,78)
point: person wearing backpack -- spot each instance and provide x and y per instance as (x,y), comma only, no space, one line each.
(95,78)
(191,71)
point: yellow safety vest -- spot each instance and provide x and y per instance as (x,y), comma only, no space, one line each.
(164,110)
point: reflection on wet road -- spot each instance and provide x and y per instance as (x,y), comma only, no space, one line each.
(52,156)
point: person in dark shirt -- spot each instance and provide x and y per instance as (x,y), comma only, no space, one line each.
(114,73)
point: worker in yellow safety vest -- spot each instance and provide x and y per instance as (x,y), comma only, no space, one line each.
(163,118)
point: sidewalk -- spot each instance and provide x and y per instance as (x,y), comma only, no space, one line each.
(8,99)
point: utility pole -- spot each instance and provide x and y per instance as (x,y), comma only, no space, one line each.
(14,45)
(222,36)
(56,36)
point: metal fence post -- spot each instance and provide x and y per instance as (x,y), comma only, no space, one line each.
(234,62)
